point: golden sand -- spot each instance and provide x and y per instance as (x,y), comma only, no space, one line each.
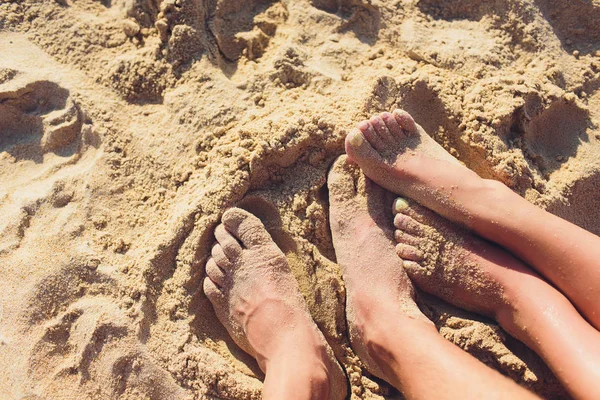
(128,127)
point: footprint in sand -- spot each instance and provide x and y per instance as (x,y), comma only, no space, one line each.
(441,42)
(83,336)
(36,117)
(42,130)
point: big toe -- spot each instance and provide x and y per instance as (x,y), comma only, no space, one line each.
(341,179)
(245,227)
(360,150)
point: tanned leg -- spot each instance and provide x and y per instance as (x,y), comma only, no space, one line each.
(257,299)
(465,270)
(387,330)
(398,154)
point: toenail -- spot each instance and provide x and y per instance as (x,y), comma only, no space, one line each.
(356,138)
(400,205)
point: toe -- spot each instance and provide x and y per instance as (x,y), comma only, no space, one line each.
(415,271)
(370,134)
(392,125)
(360,150)
(214,294)
(421,277)
(414,210)
(382,130)
(406,122)
(340,179)
(247,228)
(407,238)
(231,247)
(216,274)
(407,252)
(219,257)
(408,225)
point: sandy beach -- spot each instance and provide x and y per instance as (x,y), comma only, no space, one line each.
(127,128)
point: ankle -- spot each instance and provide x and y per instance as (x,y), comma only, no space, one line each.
(525,307)
(301,343)
(382,345)
(488,202)
(495,206)
(375,314)
(302,369)
(380,329)
(274,327)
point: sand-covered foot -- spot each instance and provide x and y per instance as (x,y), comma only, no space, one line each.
(378,292)
(448,261)
(471,273)
(257,299)
(397,153)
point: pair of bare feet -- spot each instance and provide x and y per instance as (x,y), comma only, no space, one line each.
(257,299)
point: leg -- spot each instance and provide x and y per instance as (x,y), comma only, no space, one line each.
(397,154)
(257,299)
(387,330)
(471,273)
(424,365)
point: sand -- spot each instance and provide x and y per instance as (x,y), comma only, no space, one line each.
(127,127)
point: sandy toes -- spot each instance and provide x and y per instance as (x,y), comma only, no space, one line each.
(467,271)
(396,153)
(455,265)
(376,286)
(257,299)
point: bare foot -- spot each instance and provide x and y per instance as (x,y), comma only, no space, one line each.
(396,153)
(451,263)
(257,299)
(388,332)
(377,289)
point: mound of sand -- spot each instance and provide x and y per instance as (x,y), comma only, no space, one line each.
(127,127)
